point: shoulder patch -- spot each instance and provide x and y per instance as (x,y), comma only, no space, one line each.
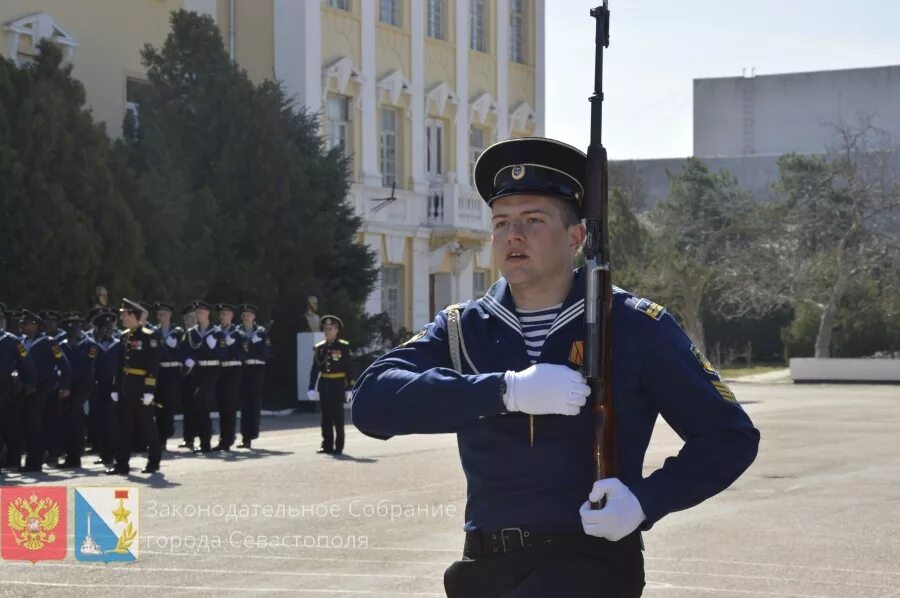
(343,342)
(415,337)
(319,344)
(647,307)
(146,330)
(704,362)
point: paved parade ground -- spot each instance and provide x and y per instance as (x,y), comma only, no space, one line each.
(818,514)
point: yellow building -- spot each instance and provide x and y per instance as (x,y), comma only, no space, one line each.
(412,89)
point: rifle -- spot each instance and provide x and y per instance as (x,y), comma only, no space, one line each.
(598,294)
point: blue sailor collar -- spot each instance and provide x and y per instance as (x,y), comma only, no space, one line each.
(498,302)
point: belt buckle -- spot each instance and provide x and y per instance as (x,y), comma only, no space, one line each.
(506,543)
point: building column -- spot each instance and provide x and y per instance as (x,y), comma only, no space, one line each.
(420,272)
(539,70)
(298,51)
(370,168)
(417,59)
(462,93)
(503,69)
(373,302)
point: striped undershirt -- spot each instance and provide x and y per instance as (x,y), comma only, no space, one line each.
(536,324)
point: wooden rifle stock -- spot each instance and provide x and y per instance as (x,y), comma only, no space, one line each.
(598,292)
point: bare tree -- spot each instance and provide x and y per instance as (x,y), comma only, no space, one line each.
(699,234)
(837,221)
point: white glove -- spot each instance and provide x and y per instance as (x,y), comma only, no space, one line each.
(114,396)
(147,399)
(312,395)
(348,395)
(229,340)
(546,388)
(211,341)
(189,363)
(621,515)
(255,338)
(171,342)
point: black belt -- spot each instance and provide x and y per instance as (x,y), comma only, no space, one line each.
(515,540)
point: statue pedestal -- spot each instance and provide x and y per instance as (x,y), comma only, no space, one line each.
(306,341)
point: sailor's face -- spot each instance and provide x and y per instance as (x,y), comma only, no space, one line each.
(530,241)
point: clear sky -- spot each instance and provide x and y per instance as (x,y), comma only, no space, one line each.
(657,48)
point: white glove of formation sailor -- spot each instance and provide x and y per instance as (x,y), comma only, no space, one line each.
(171,342)
(545,389)
(147,399)
(312,395)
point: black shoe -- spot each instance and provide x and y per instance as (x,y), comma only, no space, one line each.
(116,471)
(31,469)
(71,464)
(150,468)
(222,448)
(203,449)
(338,451)
(244,444)
(325,451)
(186,444)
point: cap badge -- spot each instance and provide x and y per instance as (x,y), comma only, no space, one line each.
(518,171)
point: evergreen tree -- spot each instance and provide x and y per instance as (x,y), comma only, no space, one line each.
(64,224)
(238,197)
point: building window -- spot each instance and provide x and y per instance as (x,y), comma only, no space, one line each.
(388,147)
(436,19)
(133,90)
(477,18)
(340,4)
(392,293)
(479,283)
(390,12)
(517,31)
(434,147)
(476,146)
(338,115)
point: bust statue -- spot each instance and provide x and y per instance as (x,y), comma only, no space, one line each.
(312,317)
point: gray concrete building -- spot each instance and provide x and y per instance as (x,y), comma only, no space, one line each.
(743,124)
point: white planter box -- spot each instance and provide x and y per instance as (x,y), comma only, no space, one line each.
(810,369)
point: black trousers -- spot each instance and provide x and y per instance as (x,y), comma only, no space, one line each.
(54,427)
(205,378)
(331,397)
(590,567)
(188,389)
(135,420)
(227,392)
(168,389)
(109,416)
(73,418)
(95,427)
(11,423)
(34,422)
(252,380)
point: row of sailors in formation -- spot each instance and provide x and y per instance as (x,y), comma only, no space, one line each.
(60,375)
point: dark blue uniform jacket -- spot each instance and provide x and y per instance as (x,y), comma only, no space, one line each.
(51,362)
(82,356)
(15,358)
(656,371)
